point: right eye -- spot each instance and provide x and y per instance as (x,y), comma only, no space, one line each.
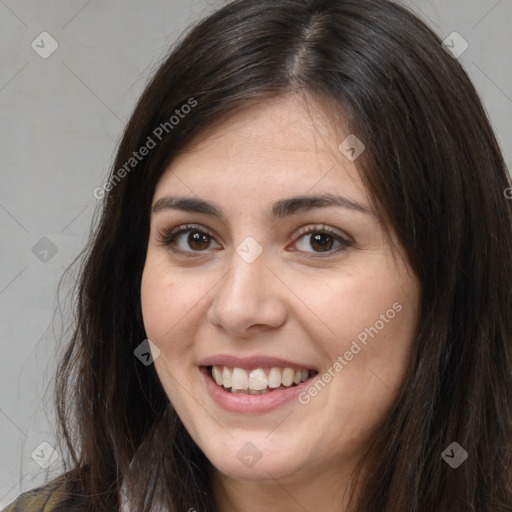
(197,241)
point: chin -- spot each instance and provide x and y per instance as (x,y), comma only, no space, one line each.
(255,458)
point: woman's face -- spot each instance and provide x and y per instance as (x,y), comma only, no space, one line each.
(282,273)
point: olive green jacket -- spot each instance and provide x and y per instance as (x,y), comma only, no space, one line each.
(47,499)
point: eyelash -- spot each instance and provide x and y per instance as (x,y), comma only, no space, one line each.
(167,238)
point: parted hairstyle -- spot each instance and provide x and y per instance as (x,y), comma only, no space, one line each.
(435,174)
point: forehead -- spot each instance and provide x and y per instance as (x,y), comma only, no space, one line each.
(284,146)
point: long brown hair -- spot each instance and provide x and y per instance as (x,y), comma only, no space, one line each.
(436,175)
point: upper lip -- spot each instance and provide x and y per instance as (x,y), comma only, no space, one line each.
(256,361)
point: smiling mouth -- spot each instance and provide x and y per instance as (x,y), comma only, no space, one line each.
(258,381)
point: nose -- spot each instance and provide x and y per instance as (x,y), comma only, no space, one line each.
(249,298)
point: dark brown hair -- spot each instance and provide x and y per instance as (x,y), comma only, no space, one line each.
(435,173)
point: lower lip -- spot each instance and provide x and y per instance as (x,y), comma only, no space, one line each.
(245,403)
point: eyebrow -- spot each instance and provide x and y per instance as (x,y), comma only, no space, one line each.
(281,209)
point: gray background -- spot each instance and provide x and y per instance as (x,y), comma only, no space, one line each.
(61,118)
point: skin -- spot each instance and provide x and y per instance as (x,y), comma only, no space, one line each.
(302,305)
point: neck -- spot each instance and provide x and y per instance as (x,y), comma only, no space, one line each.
(328,492)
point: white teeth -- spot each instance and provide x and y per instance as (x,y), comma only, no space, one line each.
(287,378)
(217,375)
(226,377)
(274,378)
(257,381)
(239,379)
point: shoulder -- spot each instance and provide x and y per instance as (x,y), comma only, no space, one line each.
(48,498)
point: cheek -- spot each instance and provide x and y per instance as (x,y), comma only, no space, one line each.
(165,298)
(154,302)
(367,317)
(161,308)
(348,306)
(172,308)
(373,321)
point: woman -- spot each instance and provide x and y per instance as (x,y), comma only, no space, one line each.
(307,218)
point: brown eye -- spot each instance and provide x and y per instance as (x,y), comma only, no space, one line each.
(322,242)
(320,239)
(198,241)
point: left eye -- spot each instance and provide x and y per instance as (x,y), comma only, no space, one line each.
(321,241)
(321,238)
